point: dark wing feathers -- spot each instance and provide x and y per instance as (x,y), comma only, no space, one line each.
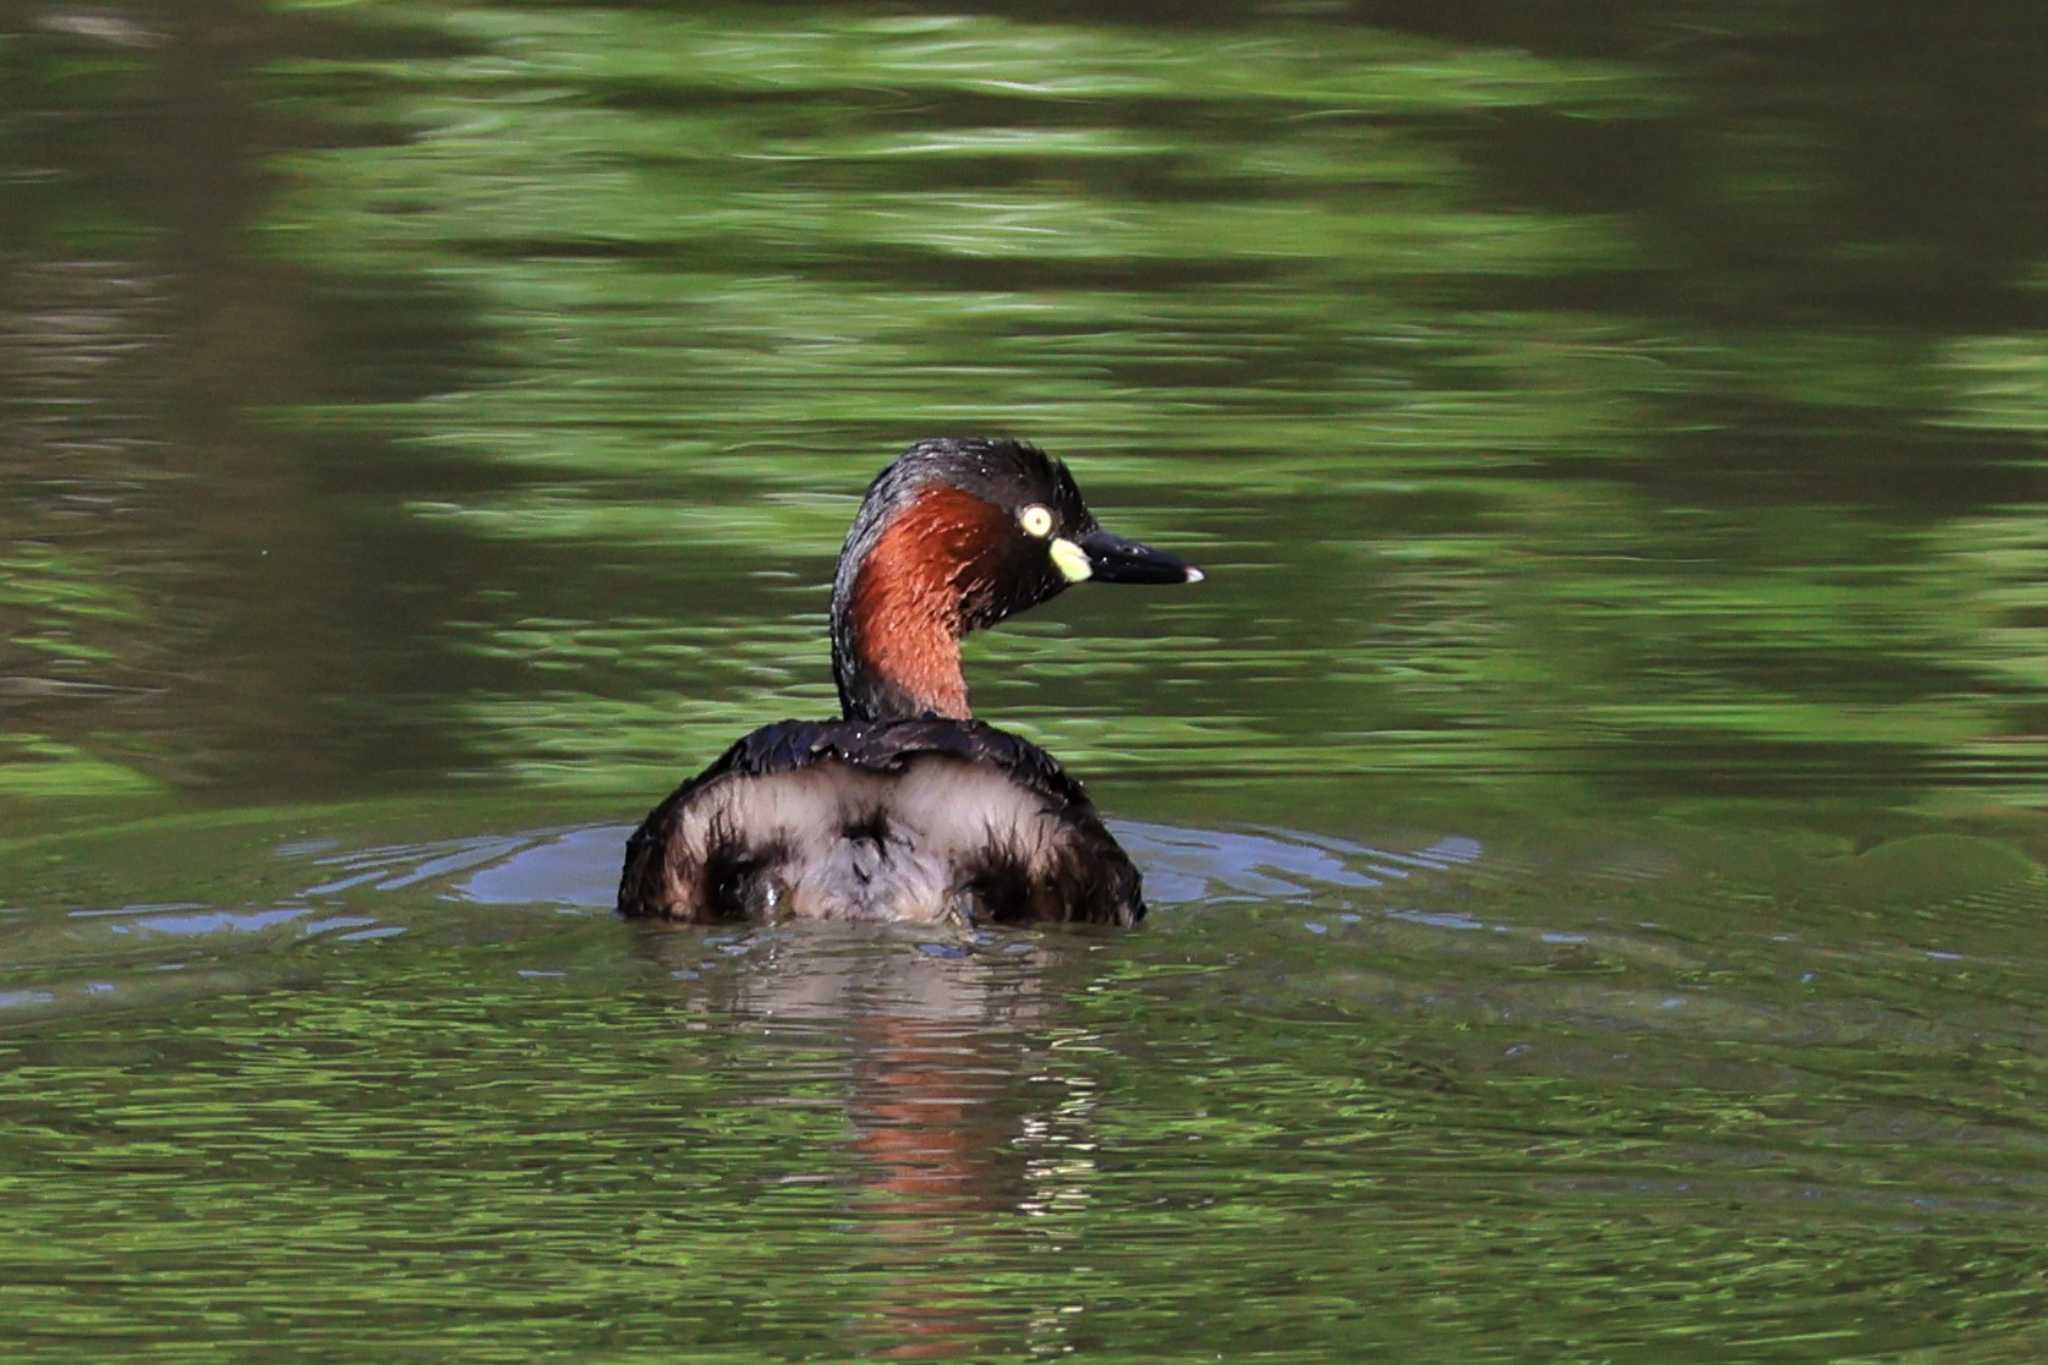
(878,746)
(886,746)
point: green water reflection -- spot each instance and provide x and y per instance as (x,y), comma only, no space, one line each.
(1555,416)
(1490,1110)
(1615,441)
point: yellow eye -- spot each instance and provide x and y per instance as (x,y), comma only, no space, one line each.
(1036,520)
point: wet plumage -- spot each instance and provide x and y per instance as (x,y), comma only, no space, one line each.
(923,819)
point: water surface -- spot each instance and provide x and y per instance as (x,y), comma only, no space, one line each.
(1592,810)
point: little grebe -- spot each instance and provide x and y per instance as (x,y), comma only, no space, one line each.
(907,807)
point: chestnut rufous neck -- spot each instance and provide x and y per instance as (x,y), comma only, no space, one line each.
(904,597)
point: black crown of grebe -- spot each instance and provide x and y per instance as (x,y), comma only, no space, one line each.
(907,807)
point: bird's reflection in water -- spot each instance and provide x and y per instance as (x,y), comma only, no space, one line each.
(959,1097)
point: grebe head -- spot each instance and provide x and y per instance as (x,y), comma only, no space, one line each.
(956,535)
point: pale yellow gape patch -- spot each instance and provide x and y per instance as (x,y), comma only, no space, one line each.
(1071,560)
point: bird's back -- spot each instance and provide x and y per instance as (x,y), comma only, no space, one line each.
(923,819)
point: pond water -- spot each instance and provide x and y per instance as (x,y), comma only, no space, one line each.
(1593,811)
